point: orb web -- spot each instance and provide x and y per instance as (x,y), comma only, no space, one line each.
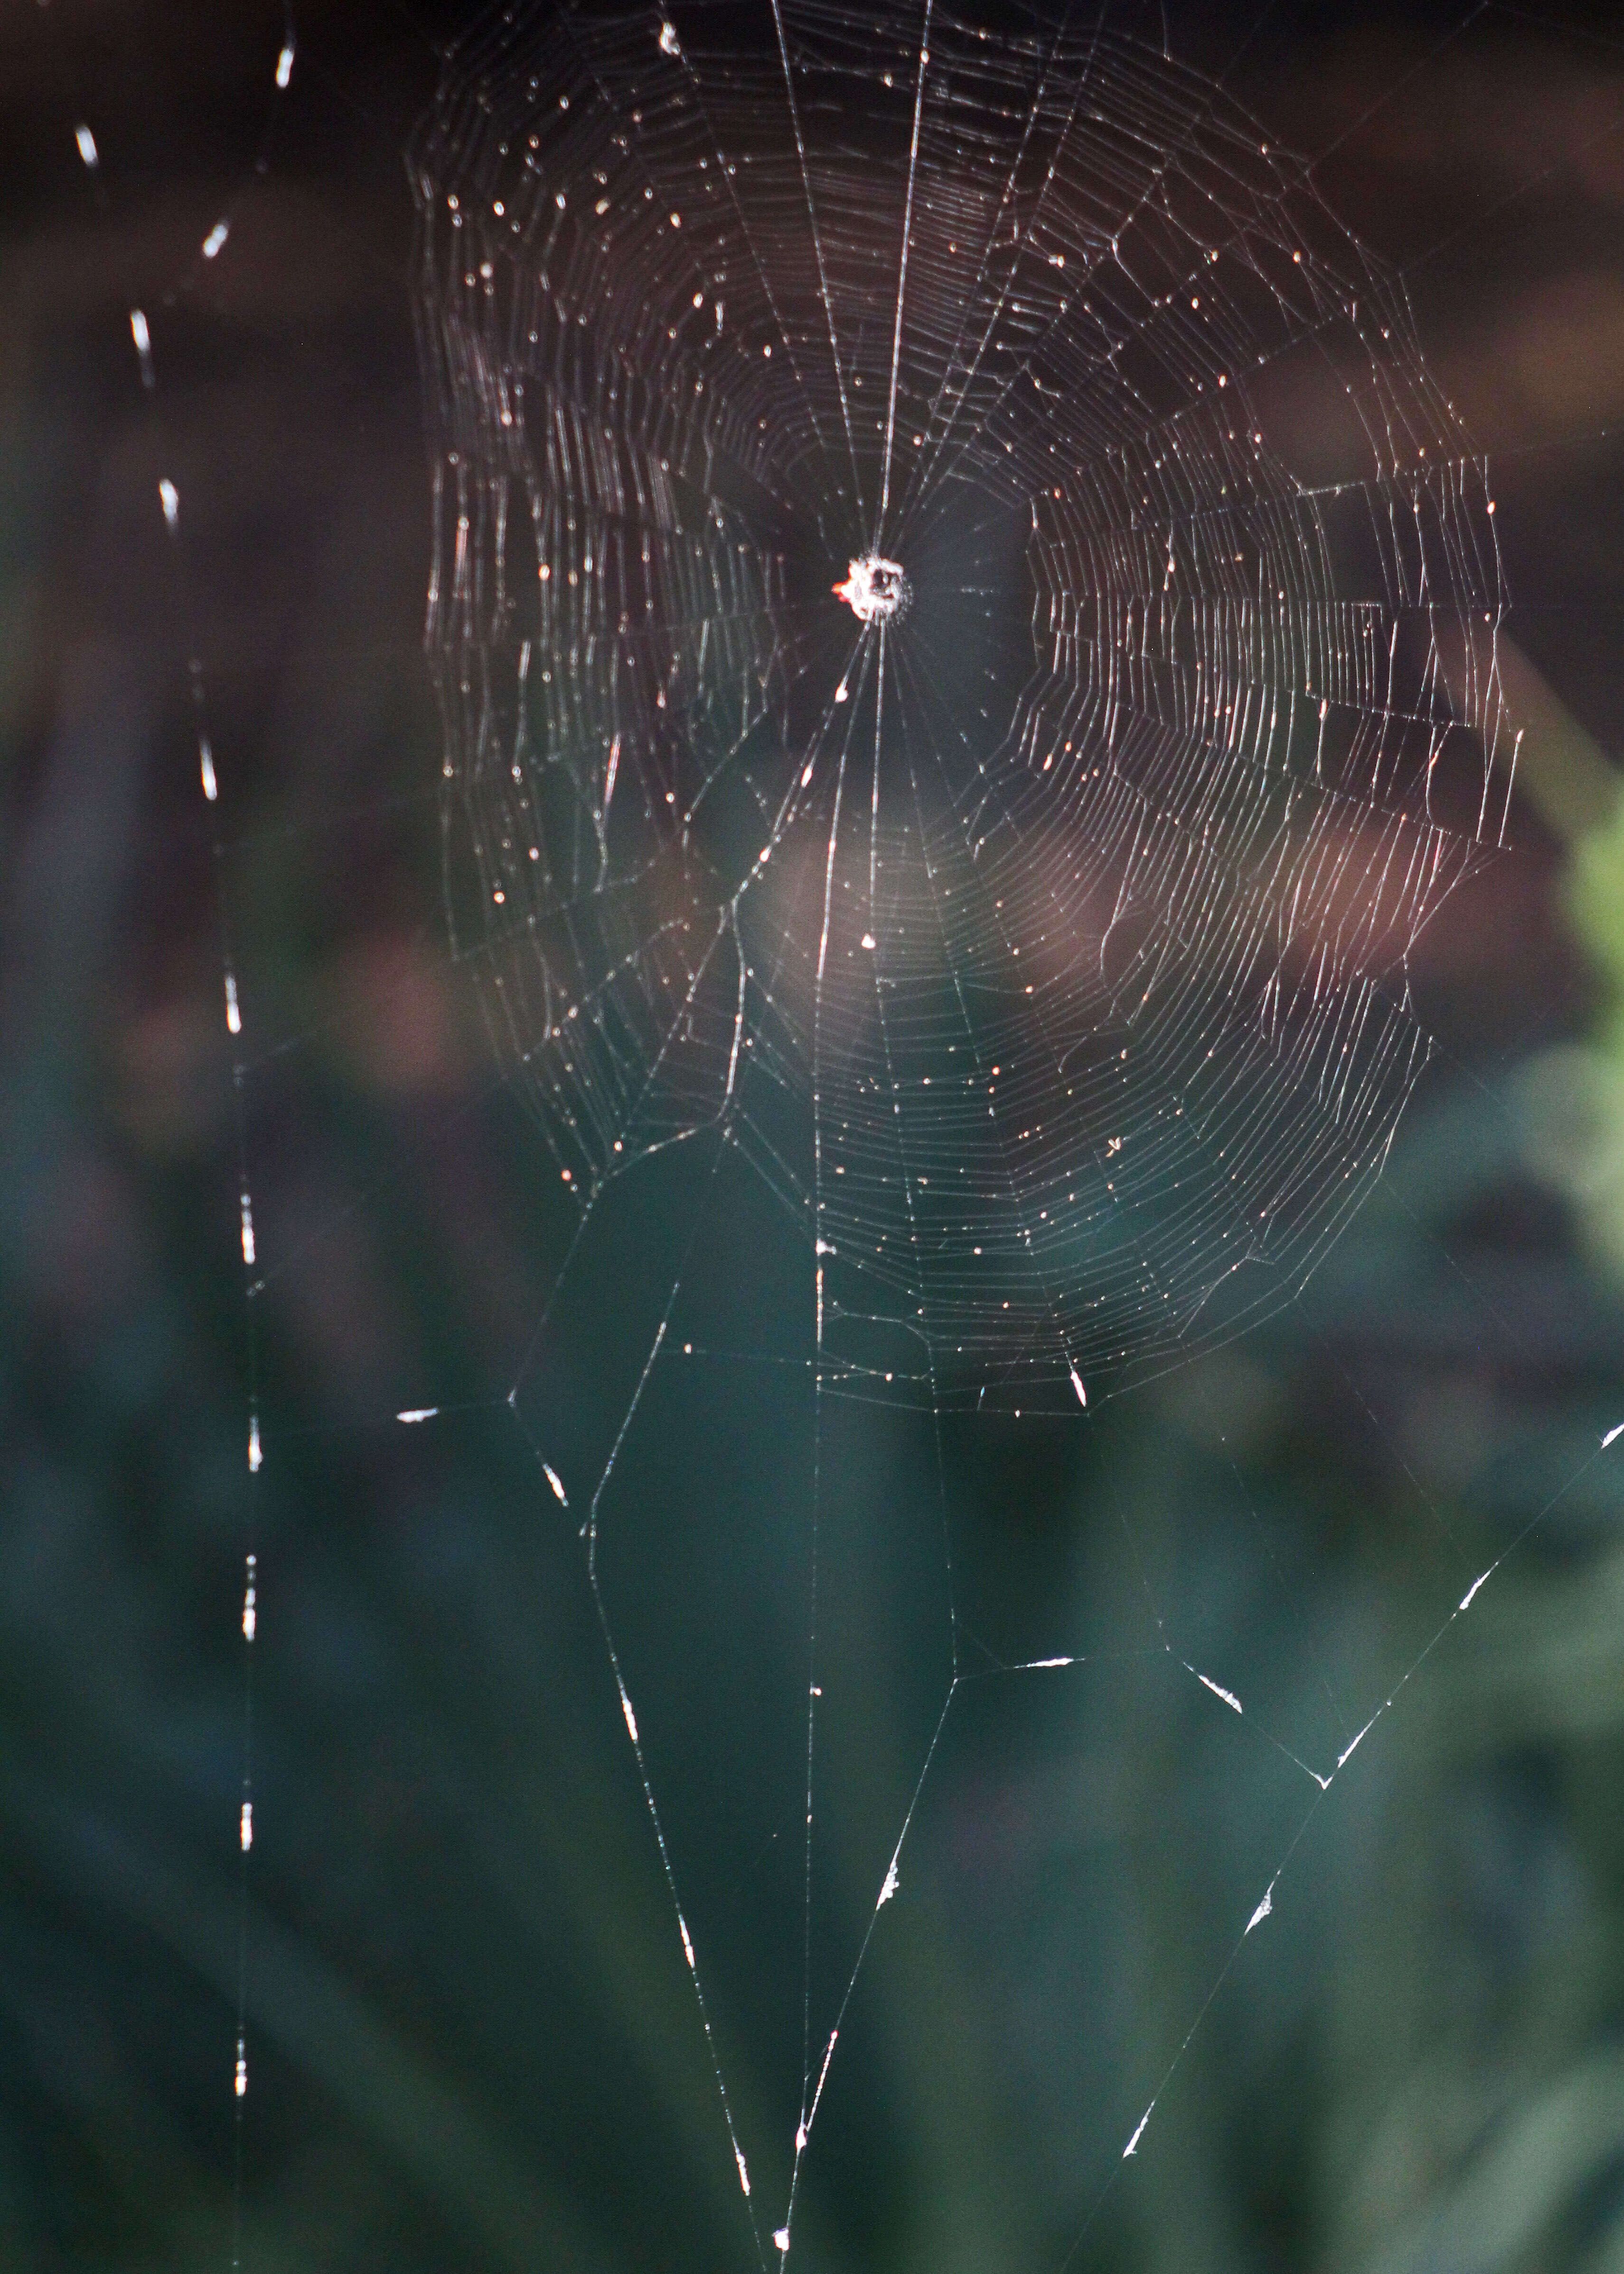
(1073,902)
(965,632)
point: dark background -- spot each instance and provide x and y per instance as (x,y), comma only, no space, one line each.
(472,2040)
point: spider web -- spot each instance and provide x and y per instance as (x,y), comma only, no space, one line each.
(1069,909)
(1036,941)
